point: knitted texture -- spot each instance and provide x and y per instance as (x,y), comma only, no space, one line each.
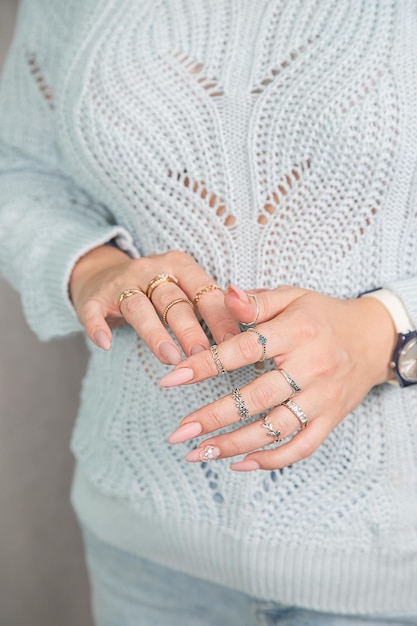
(274,141)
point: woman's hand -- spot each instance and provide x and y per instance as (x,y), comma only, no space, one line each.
(335,351)
(104,273)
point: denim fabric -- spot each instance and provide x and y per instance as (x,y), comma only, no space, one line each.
(130,591)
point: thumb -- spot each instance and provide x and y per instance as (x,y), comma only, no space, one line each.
(260,305)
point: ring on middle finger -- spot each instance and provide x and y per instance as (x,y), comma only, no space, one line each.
(262,340)
(173,303)
(240,403)
(157,280)
(295,388)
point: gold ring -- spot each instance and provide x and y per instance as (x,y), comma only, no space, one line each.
(171,304)
(126,294)
(159,280)
(204,290)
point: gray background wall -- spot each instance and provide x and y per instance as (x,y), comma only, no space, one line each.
(42,576)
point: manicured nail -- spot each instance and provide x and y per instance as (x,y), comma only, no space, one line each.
(102,339)
(177,377)
(197,348)
(170,352)
(186,432)
(203,454)
(245,466)
(240,293)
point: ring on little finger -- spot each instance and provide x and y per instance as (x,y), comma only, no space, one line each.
(262,340)
(217,360)
(240,403)
(269,427)
(294,387)
(297,411)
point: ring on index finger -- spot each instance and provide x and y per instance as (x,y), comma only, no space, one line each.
(126,293)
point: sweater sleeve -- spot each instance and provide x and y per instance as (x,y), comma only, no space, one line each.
(46,221)
(406,290)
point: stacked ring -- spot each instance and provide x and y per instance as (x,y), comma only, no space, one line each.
(297,411)
(126,294)
(159,280)
(204,290)
(173,303)
(295,388)
(262,340)
(240,403)
(270,429)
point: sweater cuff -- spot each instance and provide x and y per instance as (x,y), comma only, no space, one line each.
(406,290)
(46,302)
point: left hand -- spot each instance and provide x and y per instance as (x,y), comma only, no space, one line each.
(336,351)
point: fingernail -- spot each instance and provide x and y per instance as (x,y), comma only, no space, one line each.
(177,377)
(186,432)
(203,454)
(102,339)
(245,466)
(197,348)
(170,353)
(240,293)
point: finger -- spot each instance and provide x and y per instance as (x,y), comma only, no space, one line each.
(258,396)
(263,306)
(301,446)
(139,312)
(92,316)
(177,310)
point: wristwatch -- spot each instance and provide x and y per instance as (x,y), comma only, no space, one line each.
(404,358)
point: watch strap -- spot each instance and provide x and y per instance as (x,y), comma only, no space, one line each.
(395,307)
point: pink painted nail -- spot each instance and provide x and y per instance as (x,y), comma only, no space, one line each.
(186,432)
(204,454)
(177,377)
(102,339)
(170,353)
(240,293)
(245,466)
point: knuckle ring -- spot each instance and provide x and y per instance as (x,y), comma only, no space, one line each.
(173,303)
(126,293)
(295,388)
(217,360)
(204,290)
(256,303)
(240,403)
(262,340)
(157,280)
(276,434)
(297,411)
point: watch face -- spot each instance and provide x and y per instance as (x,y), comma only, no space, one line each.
(407,361)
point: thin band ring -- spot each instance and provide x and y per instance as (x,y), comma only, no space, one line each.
(270,429)
(217,360)
(173,303)
(295,388)
(157,280)
(262,340)
(204,290)
(255,319)
(240,403)
(126,293)
(297,411)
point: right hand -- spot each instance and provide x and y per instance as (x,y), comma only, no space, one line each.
(101,275)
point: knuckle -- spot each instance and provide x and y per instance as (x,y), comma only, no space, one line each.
(247,348)
(262,396)
(307,327)
(215,418)
(305,447)
(325,364)
(133,305)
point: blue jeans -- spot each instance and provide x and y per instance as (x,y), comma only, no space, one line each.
(130,591)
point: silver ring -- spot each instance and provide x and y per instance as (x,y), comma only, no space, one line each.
(295,388)
(240,403)
(297,411)
(262,340)
(276,434)
(217,360)
(255,319)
